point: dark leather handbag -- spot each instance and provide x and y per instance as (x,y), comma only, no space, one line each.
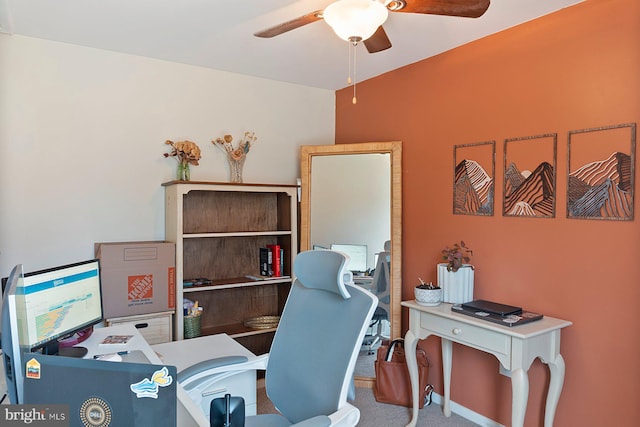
(392,376)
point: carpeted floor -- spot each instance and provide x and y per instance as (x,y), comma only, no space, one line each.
(374,414)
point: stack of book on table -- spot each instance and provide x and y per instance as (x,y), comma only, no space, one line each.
(503,314)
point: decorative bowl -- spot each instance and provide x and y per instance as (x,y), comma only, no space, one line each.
(428,297)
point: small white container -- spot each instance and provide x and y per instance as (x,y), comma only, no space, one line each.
(428,297)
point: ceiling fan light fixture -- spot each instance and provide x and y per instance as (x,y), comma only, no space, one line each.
(355,19)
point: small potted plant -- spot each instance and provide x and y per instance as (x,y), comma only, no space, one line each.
(456,275)
(457,256)
(428,294)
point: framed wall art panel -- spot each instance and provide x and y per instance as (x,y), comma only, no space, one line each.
(601,173)
(530,176)
(474,178)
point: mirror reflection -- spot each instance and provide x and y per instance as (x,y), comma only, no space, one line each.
(351,202)
(350,212)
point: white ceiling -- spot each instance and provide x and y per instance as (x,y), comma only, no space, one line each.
(218,34)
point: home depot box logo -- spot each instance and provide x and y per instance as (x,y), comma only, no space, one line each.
(140,287)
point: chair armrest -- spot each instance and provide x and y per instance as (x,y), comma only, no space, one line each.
(209,364)
(216,369)
(347,416)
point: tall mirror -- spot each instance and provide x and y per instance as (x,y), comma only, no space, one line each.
(352,199)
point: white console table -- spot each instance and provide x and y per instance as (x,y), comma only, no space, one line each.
(515,347)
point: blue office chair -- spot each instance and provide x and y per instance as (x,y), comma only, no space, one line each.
(380,287)
(310,366)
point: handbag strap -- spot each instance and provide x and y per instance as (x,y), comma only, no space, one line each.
(389,355)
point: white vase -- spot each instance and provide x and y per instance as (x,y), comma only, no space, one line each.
(457,287)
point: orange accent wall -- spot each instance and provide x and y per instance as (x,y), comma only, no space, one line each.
(577,68)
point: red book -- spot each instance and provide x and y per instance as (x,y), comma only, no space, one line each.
(276,260)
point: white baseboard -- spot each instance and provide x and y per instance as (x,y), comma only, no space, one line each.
(466,413)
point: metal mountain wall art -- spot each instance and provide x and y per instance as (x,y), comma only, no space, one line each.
(474,185)
(530,176)
(600,175)
(529,194)
(604,187)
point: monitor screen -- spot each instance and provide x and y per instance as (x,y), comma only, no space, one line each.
(54,304)
(357,253)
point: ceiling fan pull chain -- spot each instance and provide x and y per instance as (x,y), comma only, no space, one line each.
(349,60)
(355,78)
(355,51)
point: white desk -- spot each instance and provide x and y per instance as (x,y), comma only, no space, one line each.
(185,353)
(92,344)
(188,413)
(179,354)
(515,347)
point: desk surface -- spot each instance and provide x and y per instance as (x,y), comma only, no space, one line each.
(525,331)
(185,353)
(94,346)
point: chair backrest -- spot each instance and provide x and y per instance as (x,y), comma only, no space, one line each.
(381,274)
(316,345)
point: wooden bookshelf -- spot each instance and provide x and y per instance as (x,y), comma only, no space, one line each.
(218,229)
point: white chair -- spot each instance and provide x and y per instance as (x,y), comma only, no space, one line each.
(310,366)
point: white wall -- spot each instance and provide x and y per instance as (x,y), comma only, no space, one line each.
(82,135)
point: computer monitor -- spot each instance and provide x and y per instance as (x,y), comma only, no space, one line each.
(11,351)
(58,303)
(357,255)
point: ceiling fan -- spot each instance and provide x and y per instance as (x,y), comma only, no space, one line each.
(375,38)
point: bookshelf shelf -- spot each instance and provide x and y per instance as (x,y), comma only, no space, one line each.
(236,234)
(236,330)
(234,283)
(218,229)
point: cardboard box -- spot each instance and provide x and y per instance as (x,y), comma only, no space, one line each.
(137,277)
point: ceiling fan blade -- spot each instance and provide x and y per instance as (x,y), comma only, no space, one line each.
(464,8)
(290,25)
(378,41)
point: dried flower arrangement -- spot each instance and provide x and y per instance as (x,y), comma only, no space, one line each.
(226,144)
(235,156)
(185,152)
(456,256)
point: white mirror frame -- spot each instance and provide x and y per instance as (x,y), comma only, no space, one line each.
(394,148)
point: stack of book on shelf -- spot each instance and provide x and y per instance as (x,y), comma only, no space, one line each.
(200,281)
(271,261)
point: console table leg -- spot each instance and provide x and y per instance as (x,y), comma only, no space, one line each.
(410,345)
(446,372)
(556,368)
(520,395)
